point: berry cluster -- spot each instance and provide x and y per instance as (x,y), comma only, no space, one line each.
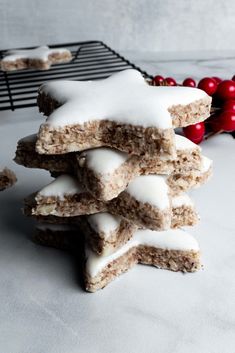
(222,118)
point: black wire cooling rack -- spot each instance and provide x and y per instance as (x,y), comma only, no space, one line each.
(91,60)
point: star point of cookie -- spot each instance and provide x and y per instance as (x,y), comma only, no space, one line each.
(38,58)
(122,111)
(174,250)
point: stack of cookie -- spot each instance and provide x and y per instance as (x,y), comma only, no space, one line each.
(120,171)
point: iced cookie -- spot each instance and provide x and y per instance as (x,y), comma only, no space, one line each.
(122,112)
(183,213)
(146,201)
(39,58)
(63,197)
(7,179)
(174,250)
(106,233)
(106,172)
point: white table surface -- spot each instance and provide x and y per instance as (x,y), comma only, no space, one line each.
(45,310)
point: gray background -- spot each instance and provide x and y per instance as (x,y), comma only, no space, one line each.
(147,25)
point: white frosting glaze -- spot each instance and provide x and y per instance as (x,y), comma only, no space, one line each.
(182,200)
(37,53)
(104,160)
(61,186)
(206,164)
(182,143)
(123,97)
(170,240)
(104,222)
(107,223)
(151,189)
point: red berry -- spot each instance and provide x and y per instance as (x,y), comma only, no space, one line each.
(158,80)
(170,81)
(195,132)
(229,105)
(226,121)
(208,85)
(217,79)
(226,90)
(189,82)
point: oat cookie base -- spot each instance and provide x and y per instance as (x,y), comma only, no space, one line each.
(174,260)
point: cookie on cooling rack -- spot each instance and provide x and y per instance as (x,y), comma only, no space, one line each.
(40,58)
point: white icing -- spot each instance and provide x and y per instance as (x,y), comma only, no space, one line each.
(182,143)
(104,222)
(56,227)
(104,160)
(206,164)
(107,223)
(182,200)
(40,53)
(124,97)
(176,239)
(151,189)
(61,186)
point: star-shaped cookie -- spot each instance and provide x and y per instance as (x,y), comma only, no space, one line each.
(174,250)
(39,58)
(122,111)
